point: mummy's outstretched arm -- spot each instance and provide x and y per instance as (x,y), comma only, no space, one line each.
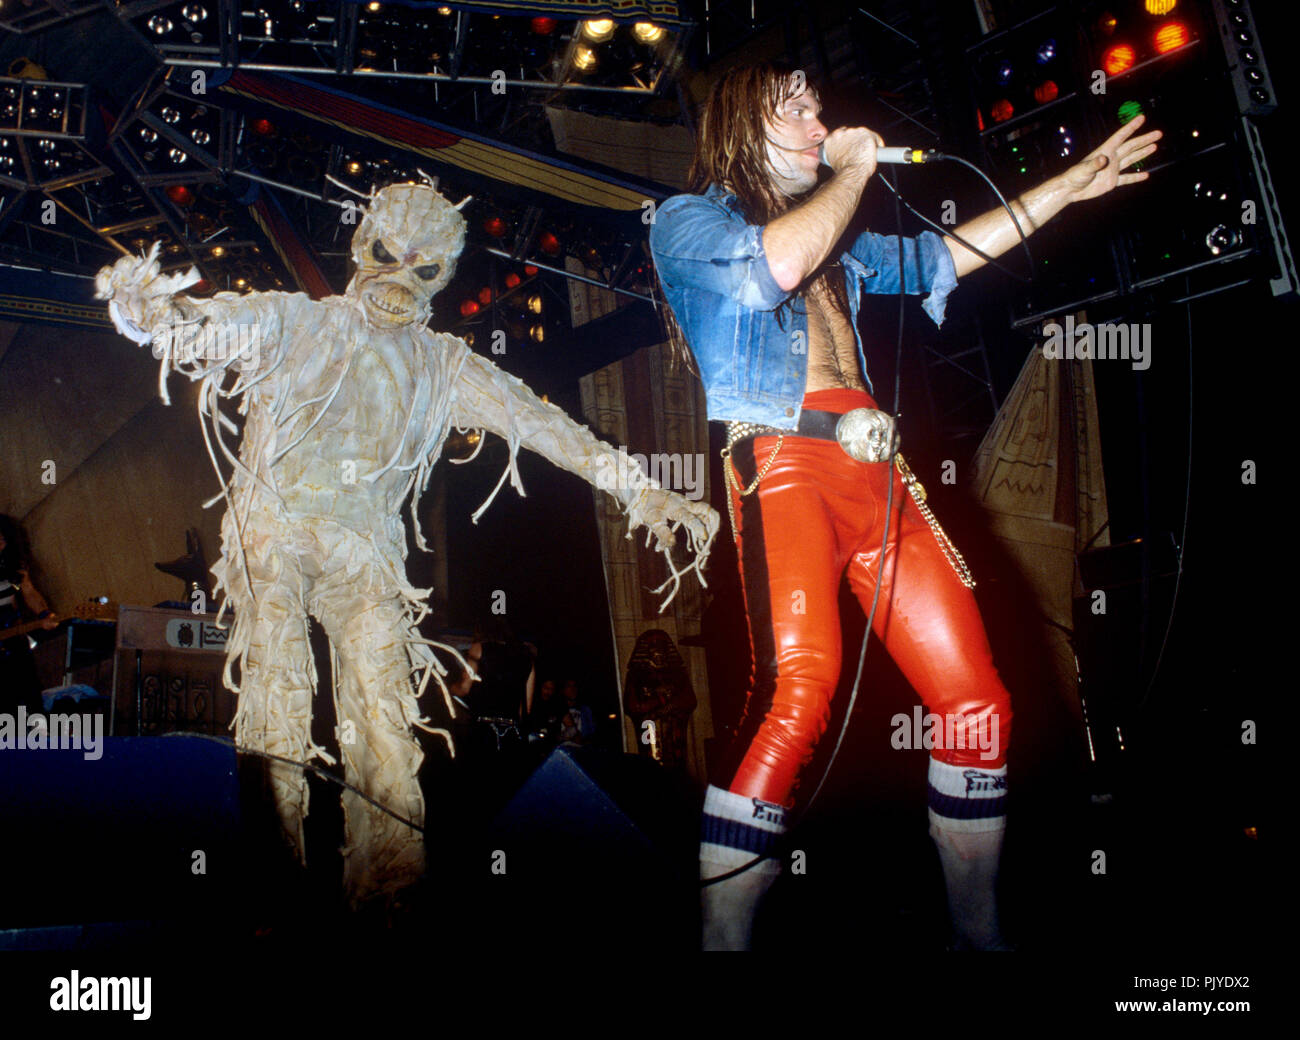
(190,336)
(489,398)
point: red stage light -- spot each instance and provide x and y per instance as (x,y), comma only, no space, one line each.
(529,270)
(485,295)
(468,308)
(1046,91)
(512,280)
(264,127)
(1118,59)
(496,227)
(180,195)
(542,26)
(549,244)
(1170,37)
(1002,111)
(201,286)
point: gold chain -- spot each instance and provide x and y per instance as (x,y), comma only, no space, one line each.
(949,550)
(733,480)
(915,488)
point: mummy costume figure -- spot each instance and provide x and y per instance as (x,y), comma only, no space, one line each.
(347,402)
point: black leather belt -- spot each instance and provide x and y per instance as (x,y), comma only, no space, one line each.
(818,425)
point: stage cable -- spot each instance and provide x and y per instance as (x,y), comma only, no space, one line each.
(1187,510)
(307,767)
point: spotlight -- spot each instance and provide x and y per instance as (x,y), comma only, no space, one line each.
(549,244)
(496,227)
(542,26)
(598,30)
(160,25)
(535,303)
(1129,110)
(468,308)
(648,32)
(485,295)
(194,13)
(1046,52)
(1170,37)
(1046,91)
(584,58)
(1119,58)
(1222,238)
(180,195)
(1160,7)
(1005,72)
(537,333)
(218,252)
(1002,110)
(530,270)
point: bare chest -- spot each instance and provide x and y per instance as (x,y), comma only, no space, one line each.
(832,348)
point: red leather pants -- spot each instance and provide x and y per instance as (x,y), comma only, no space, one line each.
(817,516)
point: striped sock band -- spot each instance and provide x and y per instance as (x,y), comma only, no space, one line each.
(963,798)
(737,829)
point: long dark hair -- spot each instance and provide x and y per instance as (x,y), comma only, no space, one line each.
(731,151)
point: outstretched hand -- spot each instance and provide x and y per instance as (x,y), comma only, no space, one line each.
(667,511)
(1103,168)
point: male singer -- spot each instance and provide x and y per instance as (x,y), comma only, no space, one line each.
(769,310)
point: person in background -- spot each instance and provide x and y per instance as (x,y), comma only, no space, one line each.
(20,601)
(578,724)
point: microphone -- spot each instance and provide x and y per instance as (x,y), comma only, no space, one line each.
(891,155)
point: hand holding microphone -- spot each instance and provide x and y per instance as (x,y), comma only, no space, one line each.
(849,147)
(830,151)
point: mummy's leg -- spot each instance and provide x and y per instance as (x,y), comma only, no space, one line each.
(380,754)
(276,688)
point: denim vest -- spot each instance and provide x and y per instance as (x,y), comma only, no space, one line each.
(716,279)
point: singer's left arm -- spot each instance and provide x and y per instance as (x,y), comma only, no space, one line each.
(1101,171)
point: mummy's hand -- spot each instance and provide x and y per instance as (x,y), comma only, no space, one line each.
(139,296)
(664,512)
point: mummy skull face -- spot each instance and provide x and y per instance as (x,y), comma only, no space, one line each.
(405,250)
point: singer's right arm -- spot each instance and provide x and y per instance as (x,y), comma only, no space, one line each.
(798,242)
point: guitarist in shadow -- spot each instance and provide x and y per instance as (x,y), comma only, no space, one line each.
(18,599)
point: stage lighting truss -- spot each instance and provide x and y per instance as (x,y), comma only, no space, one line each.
(1246,66)
(402,41)
(497,304)
(24,16)
(38,107)
(239,267)
(110,206)
(1184,229)
(1125,39)
(1024,72)
(43,133)
(173,135)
